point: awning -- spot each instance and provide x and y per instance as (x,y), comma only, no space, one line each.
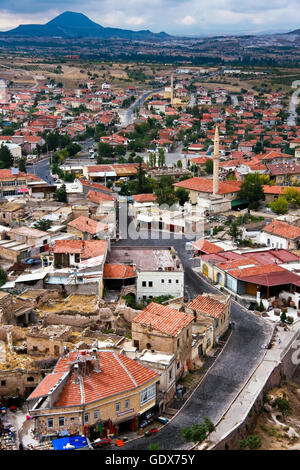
(238,202)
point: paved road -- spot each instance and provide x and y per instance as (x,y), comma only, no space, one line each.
(291,121)
(228,374)
(126,116)
(41,169)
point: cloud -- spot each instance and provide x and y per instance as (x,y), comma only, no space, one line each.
(172,16)
(188,20)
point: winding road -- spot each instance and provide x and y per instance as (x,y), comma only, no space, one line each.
(228,373)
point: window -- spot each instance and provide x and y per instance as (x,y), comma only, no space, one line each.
(187,333)
(30,379)
(162,281)
(177,281)
(127,402)
(50,422)
(178,365)
(118,407)
(170,374)
(178,343)
(61,421)
(144,283)
(147,394)
(96,415)
(150,284)
(170,281)
(136,343)
(87,417)
(44,242)
(3,383)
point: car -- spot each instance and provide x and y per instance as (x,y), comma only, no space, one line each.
(32,261)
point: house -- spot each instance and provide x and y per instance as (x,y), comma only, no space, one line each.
(159,270)
(213,306)
(91,387)
(11,211)
(279,234)
(203,187)
(161,328)
(73,252)
(38,239)
(12,182)
(85,228)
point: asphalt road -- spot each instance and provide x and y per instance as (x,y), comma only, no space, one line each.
(41,169)
(228,374)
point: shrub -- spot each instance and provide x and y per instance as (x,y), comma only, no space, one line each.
(154,446)
(198,432)
(283,405)
(253,441)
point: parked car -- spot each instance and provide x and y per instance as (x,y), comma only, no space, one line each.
(32,261)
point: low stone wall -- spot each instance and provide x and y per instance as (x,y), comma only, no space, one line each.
(81,321)
(283,371)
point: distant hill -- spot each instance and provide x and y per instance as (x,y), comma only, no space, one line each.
(297,31)
(77,25)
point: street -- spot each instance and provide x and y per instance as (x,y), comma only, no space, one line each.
(228,374)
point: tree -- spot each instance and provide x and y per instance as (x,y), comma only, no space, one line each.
(161,157)
(3,277)
(209,166)
(252,190)
(164,192)
(252,442)
(22,164)
(61,194)
(6,158)
(283,405)
(198,432)
(182,195)
(279,206)
(73,149)
(43,224)
(152,160)
(179,164)
(234,231)
(292,195)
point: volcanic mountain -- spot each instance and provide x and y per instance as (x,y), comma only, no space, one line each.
(77,25)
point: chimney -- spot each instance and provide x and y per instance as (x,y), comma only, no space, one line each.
(96,358)
(76,373)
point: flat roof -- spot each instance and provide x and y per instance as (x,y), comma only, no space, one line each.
(146,258)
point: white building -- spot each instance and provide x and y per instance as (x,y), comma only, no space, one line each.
(159,270)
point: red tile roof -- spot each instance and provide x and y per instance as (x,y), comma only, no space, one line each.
(206,185)
(46,384)
(207,305)
(85,224)
(282,229)
(87,248)
(206,246)
(118,271)
(165,319)
(118,374)
(144,197)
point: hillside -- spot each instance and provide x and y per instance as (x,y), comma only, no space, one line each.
(77,25)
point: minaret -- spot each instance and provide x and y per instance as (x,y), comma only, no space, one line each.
(216,162)
(172,84)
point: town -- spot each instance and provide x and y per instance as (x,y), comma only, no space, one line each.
(149,255)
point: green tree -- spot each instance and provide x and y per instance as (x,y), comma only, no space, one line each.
(234,231)
(164,191)
(253,442)
(279,206)
(198,432)
(22,164)
(292,195)
(182,195)
(252,190)
(3,277)
(73,148)
(283,405)
(161,157)
(6,158)
(61,194)
(43,224)
(209,166)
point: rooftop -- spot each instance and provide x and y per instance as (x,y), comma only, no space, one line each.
(163,318)
(147,258)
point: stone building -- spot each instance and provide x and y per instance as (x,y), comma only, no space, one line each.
(161,328)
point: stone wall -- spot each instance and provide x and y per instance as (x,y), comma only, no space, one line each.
(283,371)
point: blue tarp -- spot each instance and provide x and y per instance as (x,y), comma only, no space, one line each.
(76,441)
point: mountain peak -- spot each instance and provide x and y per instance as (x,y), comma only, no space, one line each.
(71,19)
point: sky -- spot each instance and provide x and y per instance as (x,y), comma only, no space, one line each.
(181,17)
